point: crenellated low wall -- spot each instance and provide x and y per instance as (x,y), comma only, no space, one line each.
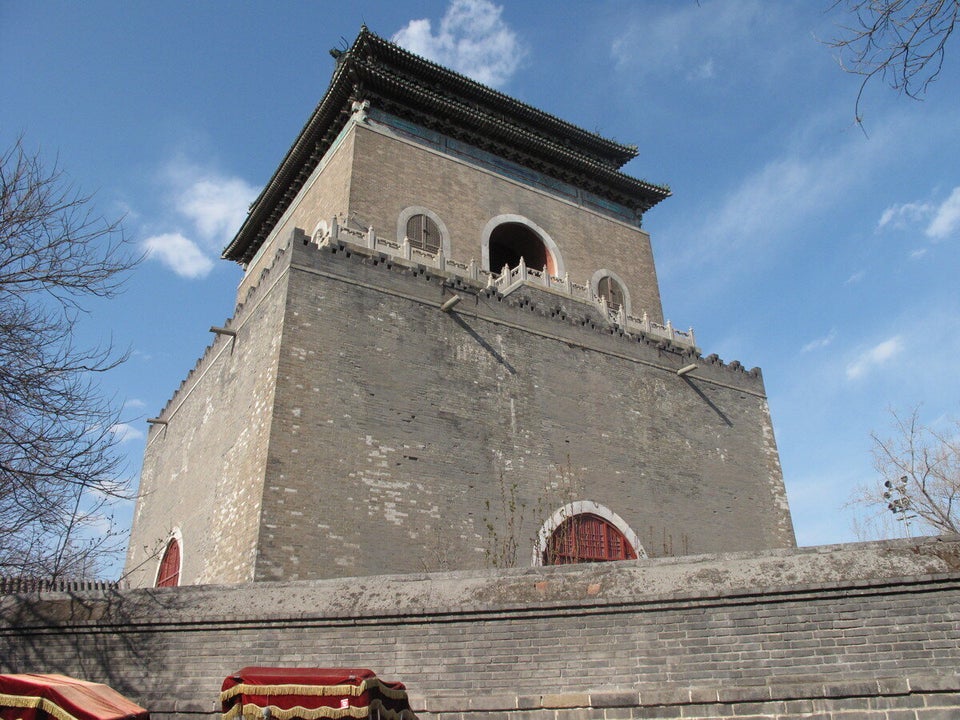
(844,631)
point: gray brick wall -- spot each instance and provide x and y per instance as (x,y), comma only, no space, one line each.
(400,430)
(867,631)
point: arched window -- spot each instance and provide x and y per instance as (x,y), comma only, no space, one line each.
(608,285)
(610,290)
(169,573)
(586,538)
(423,233)
(423,229)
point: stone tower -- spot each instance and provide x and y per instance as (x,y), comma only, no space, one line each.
(448,351)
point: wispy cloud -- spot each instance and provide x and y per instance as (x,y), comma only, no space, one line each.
(939,220)
(665,41)
(873,357)
(855,277)
(206,209)
(472,38)
(904,216)
(771,205)
(124,432)
(820,342)
(946,219)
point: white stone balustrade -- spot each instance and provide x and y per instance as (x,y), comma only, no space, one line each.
(505,282)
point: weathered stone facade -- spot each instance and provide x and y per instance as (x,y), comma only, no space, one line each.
(347,422)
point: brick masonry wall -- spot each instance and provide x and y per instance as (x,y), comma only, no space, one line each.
(402,435)
(868,631)
(391,174)
(203,470)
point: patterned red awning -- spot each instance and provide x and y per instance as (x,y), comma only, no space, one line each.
(43,697)
(311,693)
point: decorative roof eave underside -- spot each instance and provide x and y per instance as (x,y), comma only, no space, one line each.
(405,85)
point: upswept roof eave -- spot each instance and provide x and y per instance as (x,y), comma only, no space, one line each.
(615,152)
(400,89)
(318,124)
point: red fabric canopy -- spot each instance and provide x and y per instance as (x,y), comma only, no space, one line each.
(43,697)
(312,693)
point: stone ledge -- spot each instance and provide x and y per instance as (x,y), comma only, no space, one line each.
(682,696)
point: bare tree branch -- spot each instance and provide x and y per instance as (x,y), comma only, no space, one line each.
(919,476)
(901,41)
(58,464)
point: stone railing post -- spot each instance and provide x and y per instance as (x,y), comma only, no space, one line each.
(405,251)
(472,270)
(566,283)
(522,267)
(441,260)
(334,230)
(371,239)
(647,328)
(546,276)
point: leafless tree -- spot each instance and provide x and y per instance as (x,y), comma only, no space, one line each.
(901,41)
(58,462)
(919,476)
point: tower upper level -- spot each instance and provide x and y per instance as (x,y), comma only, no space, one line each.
(426,156)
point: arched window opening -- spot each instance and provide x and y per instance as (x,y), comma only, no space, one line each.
(169,574)
(423,233)
(587,538)
(611,291)
(512,240)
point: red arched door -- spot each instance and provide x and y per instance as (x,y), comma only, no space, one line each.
(587,538)
(169,575)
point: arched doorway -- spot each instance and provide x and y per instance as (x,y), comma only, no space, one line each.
(169,573)
(507,238)
(585,531)
(511,241)
(587,538)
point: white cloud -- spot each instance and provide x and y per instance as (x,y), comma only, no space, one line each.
(472,39)
(180,254)
(903,216)
(211,206)
(946,219)
(917,254)
(941,220)
(820,342)
(216,206)
(855,278)
(874,357)
(125,432)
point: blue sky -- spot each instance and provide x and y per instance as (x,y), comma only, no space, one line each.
(794,241)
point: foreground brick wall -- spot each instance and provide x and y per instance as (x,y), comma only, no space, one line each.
(868,631)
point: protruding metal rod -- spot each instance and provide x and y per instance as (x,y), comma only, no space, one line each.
(222,331)
(448,305)
(687,369)
(156,421)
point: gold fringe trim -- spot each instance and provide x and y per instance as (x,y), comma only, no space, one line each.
(314,690)
(37,703)
(250,711)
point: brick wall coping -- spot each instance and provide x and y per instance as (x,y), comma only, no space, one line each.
(812,689)
(916,565)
